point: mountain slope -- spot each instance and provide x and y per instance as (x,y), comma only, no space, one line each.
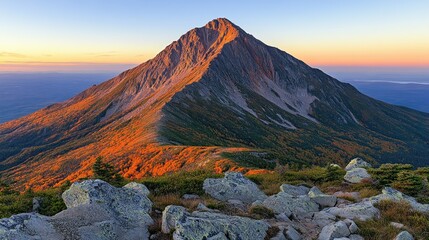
(215,86)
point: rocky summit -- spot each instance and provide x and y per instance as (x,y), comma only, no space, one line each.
(215,92)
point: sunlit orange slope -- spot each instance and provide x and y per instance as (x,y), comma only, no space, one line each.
(217,89)
(116,119)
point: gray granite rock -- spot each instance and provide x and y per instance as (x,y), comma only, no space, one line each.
(95,211)
(357,175)
(357,163)
(323,218)
(335,230)
(404,235)
(207,225)
(324,200)
(234,186)
(28,226)
(288,204)
(351,225)
(294,190)
(356,211)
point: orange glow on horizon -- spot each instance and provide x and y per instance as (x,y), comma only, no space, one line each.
(326,55)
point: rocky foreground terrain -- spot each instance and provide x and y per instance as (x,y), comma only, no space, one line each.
(97,210)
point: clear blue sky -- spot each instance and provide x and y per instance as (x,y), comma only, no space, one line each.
(98,34)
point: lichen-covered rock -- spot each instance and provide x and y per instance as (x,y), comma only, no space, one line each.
(294,190)
(129,203)
(288,204)
(357,163)
(357,175)
(234,186)
(335,230)
(357,211)
(208,225)
(27,226)
(171,215)
(404,235)
(324,200)
(138,187)
(95,211)
(391,194)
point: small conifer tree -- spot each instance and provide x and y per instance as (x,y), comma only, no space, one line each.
(106,172)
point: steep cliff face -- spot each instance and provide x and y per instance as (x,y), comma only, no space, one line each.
(215,86)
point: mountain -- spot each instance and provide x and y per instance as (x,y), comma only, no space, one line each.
(204,102)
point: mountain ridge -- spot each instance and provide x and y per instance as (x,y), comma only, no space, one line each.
(215,89)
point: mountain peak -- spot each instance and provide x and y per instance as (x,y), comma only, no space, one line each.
(216,23)
(223,25)
(216,86)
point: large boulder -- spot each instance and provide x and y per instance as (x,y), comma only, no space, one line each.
(357,163)
(288,204)
(294,190)
(357,175)
(95,210)
(324,200)
(28,226)
(234,186)
(357,211)
(391,194)
(129,203)
(209,225)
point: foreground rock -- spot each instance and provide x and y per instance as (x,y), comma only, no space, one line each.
(357,163)
(283,203)
(209,225)
(391,194)
(95,210)
(324,200)
(234,186)
(357,175)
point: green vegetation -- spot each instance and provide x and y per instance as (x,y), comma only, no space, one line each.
(387,173)
(179,183)
(13,202)
(107,172)
(416,223)
(404,178)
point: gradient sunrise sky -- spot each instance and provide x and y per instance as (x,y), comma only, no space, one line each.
(102,35)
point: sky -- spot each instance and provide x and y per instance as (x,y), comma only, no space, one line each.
(108,35)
